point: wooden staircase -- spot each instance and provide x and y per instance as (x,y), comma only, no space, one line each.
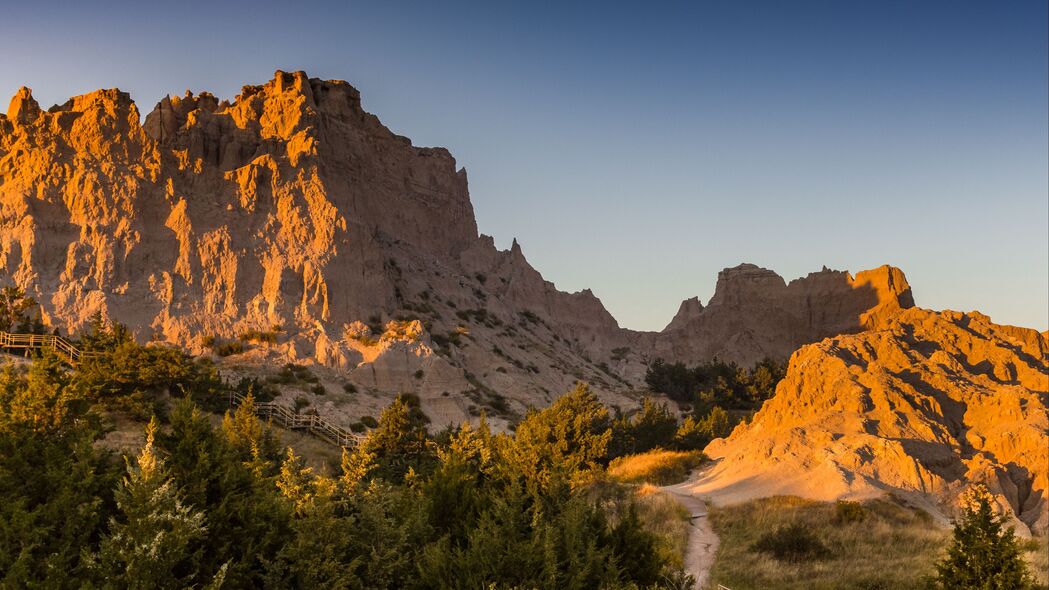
(31,342)
(275,412)
(287,418)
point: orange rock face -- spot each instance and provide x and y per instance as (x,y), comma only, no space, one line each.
(292,207)
(754,313)
(920,405)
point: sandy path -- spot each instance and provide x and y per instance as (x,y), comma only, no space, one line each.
(702,542)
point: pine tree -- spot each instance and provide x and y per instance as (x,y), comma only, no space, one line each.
(399,443)
(563,441)
(14,309)
(153,542)
(983,555)
(53,481)
(247,523)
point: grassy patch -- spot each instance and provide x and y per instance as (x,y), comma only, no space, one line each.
(1037,556)
(824,545)
(666,518)
(657,467)
(660,514)
(260,336)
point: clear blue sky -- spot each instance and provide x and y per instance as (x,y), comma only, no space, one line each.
(637,149)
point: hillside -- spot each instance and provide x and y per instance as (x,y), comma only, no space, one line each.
(919,406)
(293,219)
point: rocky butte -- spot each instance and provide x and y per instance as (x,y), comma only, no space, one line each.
(920,405)
(292,211)
(293,219)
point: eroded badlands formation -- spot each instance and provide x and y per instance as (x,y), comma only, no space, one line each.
(920,405)
(293,213)
(292,210)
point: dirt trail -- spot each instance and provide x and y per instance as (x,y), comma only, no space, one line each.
(702,542)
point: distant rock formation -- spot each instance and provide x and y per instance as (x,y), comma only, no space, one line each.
(920,405)
(755,314)
(292,210)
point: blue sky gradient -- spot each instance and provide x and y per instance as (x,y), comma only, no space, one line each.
(639,149)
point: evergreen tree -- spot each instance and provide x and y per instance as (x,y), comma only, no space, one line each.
(55,486)
(983,554)
(153,543)
(356,466)
(253,440)
(15,310)
(652,426)
(716,424)
(318,552)
(563,441)
(247,524)
(458,491)
(399,444)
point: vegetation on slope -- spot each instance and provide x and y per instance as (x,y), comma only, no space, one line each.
(716,383)
(786,542)
(657,467)
(232,507)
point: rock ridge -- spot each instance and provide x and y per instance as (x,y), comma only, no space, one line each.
(290,209)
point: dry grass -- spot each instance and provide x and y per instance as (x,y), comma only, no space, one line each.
(666,518)
(657,467)
(660,514)
(1037,557)
(891,547)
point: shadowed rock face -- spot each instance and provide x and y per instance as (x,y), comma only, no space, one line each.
(921,404)
(291,206)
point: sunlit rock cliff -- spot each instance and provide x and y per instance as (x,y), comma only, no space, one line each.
(292,211)
(921,405)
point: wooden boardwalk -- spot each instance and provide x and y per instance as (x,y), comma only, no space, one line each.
(287,418)
(282,415)
(31,342)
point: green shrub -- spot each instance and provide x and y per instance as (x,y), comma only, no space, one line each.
(653,425)
(228,348)
(794,543)
(369,421)
(724,384)
(419,374)
(264,337)
(349,388)
(318,389)
(846,512)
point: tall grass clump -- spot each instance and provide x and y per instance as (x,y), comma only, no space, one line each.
(788,543)
(656,467)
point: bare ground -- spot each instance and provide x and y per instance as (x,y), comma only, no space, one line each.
(702,542)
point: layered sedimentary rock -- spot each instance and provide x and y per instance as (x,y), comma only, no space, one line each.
(290,210)
(920,405)
(754,313)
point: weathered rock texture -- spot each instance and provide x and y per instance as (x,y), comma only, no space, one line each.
(755,314)
(292,208)
(921,405)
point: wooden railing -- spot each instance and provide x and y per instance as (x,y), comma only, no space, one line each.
(28,342)
(282,415)
(291,420)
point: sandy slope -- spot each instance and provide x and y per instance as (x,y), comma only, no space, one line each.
(920,407)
